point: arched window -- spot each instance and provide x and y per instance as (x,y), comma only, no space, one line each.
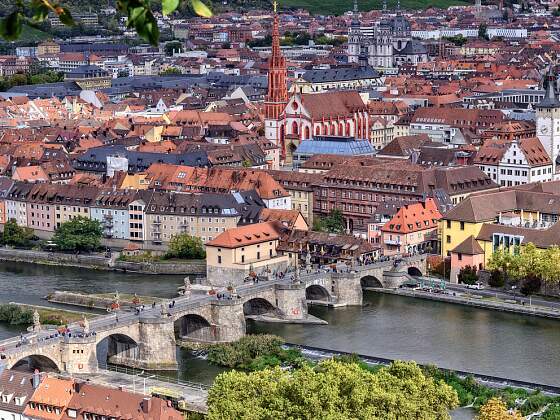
(318,130)
(341,129)
(295,128)
(327,130)
(348,130)
(334,129)
(306,133)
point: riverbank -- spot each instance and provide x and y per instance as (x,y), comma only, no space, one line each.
(53,316)
(101,301)
(101,262)
(475,301)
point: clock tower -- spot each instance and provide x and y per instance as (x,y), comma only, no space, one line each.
(548,120)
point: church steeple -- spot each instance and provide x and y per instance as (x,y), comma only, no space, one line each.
(277,96)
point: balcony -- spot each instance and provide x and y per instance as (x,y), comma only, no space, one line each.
(393,242)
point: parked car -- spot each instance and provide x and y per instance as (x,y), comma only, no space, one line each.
(476,286)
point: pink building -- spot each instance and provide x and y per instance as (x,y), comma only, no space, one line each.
(468,252)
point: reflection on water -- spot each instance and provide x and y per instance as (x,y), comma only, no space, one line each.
(451,336)
(395,327)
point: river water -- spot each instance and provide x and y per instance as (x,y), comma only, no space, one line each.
(394,327)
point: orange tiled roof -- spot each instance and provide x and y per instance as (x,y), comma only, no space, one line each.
(246,235)
(414,217)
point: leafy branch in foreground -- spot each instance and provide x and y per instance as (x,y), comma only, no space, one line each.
(139,16)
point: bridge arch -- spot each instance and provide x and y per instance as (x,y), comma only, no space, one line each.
(317,292)
(258,306)
(414,271)
(117,348)
(194,327)
(37,361)
(370,281)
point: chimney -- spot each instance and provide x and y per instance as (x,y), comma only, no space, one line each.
(36,379)
(146,405)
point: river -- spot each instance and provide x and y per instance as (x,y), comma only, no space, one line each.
(395,327)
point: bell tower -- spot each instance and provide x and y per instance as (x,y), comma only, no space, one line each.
(277,96)
(548,119)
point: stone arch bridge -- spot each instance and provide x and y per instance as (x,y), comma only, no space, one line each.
(148,340)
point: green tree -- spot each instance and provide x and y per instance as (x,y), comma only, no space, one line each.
(185,246)
(18,236)
(138,12)
(173,46)
(331,390)
(170,71)
(530,285)
(550,266)
(333,223)
(496,409)
(79,234)
(496,278)
(467,275)
(47,77)
(458,40)
(483,31)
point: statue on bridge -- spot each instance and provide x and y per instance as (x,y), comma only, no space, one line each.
(187,290)
(116,305)
(85,324)
(36,321)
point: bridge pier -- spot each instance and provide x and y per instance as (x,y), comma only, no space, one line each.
(79,355)
(156,345)
(229,320)
(347,288)
(290,300)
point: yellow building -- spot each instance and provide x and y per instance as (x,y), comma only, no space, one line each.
(48,47)
(501,219)
(89,77)
(244,251)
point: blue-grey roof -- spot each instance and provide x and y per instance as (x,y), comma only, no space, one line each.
(348,146)
(47,90)
(95,159)
(85,71)
(340,74)
(413,47)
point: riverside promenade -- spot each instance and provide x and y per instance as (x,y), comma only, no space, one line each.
(487,301)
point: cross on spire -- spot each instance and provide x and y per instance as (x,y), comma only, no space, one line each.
(355,7)
(275,5)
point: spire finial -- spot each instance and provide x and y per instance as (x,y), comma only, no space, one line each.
(384,5)
(355,7)
(275,4)
(399,5)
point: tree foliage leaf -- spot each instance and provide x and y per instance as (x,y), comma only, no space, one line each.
(11,26)
(201,9)
(169,6)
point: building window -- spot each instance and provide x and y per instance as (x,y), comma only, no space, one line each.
(448,224)
(219,259)
(448,239)
(462,225)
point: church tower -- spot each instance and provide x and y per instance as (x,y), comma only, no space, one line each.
(354,36)
(277,96)
(548,119)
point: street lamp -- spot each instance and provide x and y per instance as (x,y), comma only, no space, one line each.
(134,381)
(149,377)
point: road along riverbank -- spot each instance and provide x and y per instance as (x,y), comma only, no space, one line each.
(476,301)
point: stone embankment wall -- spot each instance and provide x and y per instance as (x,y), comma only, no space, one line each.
(196,267)
(100,262)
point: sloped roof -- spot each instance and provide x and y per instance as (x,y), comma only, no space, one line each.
(246,235)
(469,247)
(414,217)
(337,103)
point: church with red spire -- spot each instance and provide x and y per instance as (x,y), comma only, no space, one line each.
(289,120)
(277,96)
